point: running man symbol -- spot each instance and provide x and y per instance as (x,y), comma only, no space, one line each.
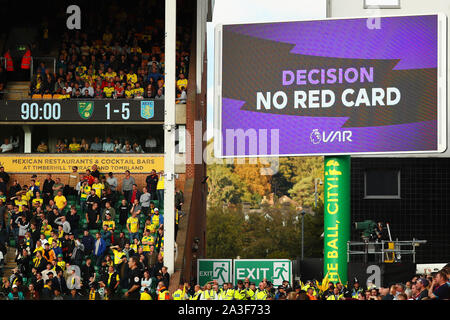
(220,272)
(280,273)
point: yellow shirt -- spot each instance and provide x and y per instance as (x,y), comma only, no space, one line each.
(74,147)
(85,192)
(134,247)
(110,75)
(146,247)
(129,93)
(117,256)
(160,184)
(27,196)
(39,249)
(136,50)
(132,77)
(80,69)
(134,223)
(35,201)
(50,241)
(60,201)
(108,91)
(21,204)
(98,187)
(62,264)
(182,83)
(155,220)
(111,224)
(145,296)
(152,227)
(138,90)
(46,230)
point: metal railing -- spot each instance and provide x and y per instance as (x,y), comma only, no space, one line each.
(382,249)
(36,61)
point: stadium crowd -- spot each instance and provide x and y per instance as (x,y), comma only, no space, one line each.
(98,145)
(434,286)
(118,55)
(90,239)
(120,61)
(87,239)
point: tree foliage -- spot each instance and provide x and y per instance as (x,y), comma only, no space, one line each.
(268,233)
(224,186)
(265,231)
(252,177)
(224,230)
(303,172)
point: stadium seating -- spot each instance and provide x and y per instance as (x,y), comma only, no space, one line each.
(88,61)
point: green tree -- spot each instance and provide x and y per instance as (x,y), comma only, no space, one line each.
(275,232)
(224,232)
(306,170)
(224,186)
(272,232)
(280,185)
(257,184)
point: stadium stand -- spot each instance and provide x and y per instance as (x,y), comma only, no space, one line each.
(116,56)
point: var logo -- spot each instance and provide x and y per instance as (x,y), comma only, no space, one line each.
(220,272)
(317,136)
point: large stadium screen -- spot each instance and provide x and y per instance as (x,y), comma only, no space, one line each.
(336,86)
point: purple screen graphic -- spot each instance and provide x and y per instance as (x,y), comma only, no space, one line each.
(330,87)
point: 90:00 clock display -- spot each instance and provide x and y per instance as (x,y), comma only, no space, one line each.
(49,111)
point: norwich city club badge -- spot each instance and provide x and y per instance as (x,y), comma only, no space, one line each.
(86,109)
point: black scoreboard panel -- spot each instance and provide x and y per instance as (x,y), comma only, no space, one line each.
(78,110)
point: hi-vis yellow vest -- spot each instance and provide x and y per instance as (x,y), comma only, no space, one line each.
(333,297)
(196,295)
(178,295)
(162,295)
(209,294)
(240,294)
(261,294)
(229,294)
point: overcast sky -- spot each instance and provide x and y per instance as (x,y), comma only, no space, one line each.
(242,11)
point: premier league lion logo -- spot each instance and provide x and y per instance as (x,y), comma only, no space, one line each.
(315,136)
